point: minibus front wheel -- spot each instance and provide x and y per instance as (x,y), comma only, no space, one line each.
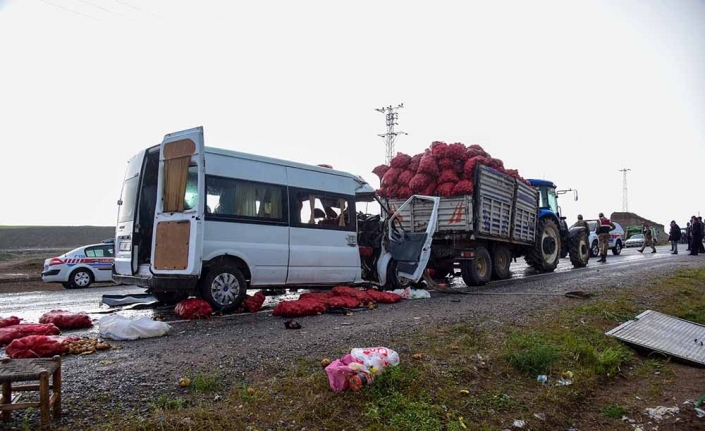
(224,287)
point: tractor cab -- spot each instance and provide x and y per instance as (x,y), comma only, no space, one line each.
(570,238)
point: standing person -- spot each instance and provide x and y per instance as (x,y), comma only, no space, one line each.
(648,239)
(675,236)
(582,223)
(604,227)
(688,235)
(701,248)
(697,233)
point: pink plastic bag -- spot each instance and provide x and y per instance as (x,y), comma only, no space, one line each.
(338,373)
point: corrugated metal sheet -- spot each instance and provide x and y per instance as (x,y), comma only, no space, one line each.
(666,334)
(525,215)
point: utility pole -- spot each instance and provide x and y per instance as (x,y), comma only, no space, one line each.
(392,116)
(625,202)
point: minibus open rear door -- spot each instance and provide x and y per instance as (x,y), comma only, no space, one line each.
(178,223)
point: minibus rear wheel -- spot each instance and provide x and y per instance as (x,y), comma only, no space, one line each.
(224,287)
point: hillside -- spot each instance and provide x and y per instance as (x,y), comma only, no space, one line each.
(52,237)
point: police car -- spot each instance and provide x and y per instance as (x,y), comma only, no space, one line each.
(81,267)
(616,238)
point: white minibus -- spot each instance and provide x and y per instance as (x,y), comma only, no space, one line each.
(212,223)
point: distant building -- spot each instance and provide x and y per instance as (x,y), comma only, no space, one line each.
(631,220)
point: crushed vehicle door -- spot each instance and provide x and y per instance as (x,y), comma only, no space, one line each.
(412,250)
(178,221)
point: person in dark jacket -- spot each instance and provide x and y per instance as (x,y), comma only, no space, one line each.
(688,235)
(674,236)
(701,247)
(697,233)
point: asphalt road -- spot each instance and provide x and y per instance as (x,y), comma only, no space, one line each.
(31,305)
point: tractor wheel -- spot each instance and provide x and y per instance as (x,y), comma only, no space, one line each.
(501,261)
(543,257)
(579,251)
(477,271)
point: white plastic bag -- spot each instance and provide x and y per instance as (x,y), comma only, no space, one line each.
(404,293)
(409,293)
(376,359)
(121,328)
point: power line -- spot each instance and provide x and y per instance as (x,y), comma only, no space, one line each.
(68,9)
(127,4)
(391,135)
(99,7)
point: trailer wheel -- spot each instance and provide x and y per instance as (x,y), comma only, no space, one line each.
(579,251)
(501,261)
(477,271)
(543,257)
(224,287)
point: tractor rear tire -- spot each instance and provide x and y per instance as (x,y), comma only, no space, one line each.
(579,251)
(543,257)
(477,271)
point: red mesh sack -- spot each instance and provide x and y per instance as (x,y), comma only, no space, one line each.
(14,332)
(400,161)
(342,302)
(392,191)
(384,297)
(390,177)
(414,163)
(299,308)
(448,176)
(361,296)
(404,178)
(446,163)
(428,165)
(9,321)
(39,346)
(430,190)
(403,193)
(316,296)
(470,164)
(463,187)
(439,149)
(445,190)
(512,173)
(495,163)
(420,182)
(382,193)
(66,319)
(457,151)
(254,303)
(193,308)
(380,171)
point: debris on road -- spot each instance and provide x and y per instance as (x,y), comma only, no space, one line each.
(120,300)
(664,334)
(121,328)
(519,423)
(579,294)
(253,304)
(340,298)
(325,362)
(661,412)
(292,324)
(359,368)
(67,320)
(184,382)
(409,293)
(193,308)
(86,346)
(9,321)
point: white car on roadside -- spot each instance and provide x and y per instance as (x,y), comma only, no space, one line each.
(616,239)
(81,267)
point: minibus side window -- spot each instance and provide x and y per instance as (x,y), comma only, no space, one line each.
(322,210)
(228,198)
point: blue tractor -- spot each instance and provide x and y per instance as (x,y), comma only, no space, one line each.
(554,239)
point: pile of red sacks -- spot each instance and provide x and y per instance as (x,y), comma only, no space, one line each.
(442,170)
(340,297)
(67,320)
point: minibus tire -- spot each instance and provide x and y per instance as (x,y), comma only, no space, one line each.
(220,274)
(393,282)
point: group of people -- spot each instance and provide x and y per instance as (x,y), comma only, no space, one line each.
(694,232)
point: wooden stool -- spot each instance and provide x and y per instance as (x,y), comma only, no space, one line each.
(22,370)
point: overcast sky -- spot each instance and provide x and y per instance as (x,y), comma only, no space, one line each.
(570,91)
